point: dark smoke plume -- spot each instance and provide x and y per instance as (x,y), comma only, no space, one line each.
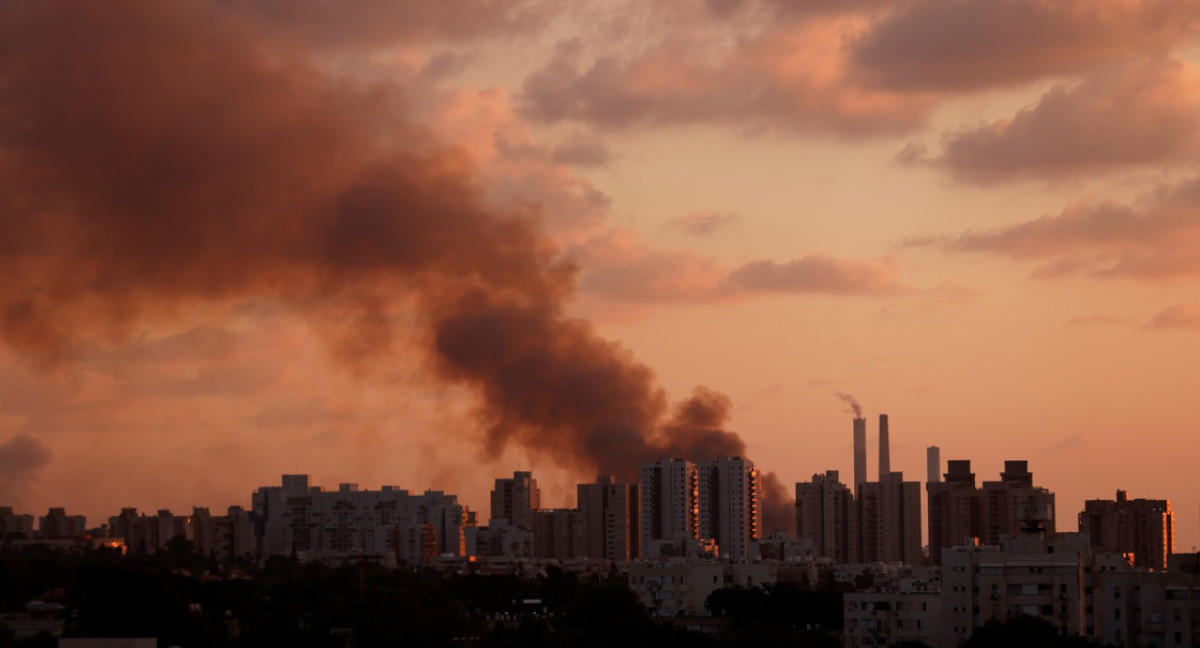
(155,155)
(22,458)
(855,408)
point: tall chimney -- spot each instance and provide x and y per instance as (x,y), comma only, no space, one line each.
(885,453)
(933,464)
(860,452)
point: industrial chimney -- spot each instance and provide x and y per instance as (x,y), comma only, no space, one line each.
(885,453)
(860,452)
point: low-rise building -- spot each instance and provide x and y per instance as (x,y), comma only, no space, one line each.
(886,618)
(671,589)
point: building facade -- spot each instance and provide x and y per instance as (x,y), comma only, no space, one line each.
(826,516)
(610,513)
(1144,528)
(670,514)
(730,505)
(889,520)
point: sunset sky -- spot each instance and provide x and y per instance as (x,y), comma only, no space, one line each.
(431,243)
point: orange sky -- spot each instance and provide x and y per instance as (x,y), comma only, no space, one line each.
(236,237)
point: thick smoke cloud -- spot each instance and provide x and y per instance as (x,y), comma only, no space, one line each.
(156,156)
(22,458)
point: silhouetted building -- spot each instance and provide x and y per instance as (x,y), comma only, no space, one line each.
(889,520)
(558,533)
(954,509)
(609,514)
(224,537)
(515,499)
(670,505)
(56,524)
(1010,502)
(962,514)
(826,516)
(730,504)
(1144,528)
(14,525)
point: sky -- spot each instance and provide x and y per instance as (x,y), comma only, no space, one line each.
(428,244)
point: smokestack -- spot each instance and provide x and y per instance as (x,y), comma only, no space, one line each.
(885,453)
(933,464)
(860,451)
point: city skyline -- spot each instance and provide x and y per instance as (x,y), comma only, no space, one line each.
(400,243)
(847,522)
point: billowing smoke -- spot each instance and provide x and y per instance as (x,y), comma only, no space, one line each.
(852,402)
(22,458)
(154,155)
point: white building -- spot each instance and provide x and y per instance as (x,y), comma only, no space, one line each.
(389,523)
(680,588)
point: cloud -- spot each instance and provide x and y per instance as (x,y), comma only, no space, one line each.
(1179,316)
(1137,113)
(1155,238)
(817,274)
(378,23)
(704,223)
(620,268)
(788,76)
(962,45)
(581,152)
(1070,444)
(841,69)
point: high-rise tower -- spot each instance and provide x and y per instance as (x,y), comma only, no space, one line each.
(670,509)
(730,504)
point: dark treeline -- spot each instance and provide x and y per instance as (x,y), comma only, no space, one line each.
(188,600)
(191,601)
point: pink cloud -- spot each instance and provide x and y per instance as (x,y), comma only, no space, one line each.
(1141,112)
(617,266)
(959,45)
(1179,316)
(1156,238)
(789,76)
(375,23)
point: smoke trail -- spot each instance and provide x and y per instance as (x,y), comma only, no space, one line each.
(155,155)
(855,408)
